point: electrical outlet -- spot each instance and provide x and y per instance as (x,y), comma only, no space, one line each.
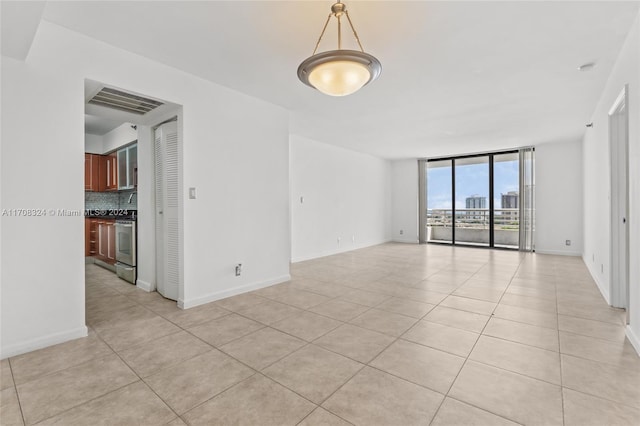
(567,242)
(602,268)
(338,240)
(238,269)
(353,238)
(593,257)
(401,231)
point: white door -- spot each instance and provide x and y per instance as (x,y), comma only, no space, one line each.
(167,229)
(618,142)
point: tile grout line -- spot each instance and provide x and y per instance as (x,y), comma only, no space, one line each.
(15,389)
(474,345)
(364,365)
(151,388)
(559,352)
(139,378)
(269,365)
(368,364)
(399,337)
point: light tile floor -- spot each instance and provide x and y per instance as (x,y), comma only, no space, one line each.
(391,335)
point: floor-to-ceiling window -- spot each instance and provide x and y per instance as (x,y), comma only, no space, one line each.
(506,199)
(475,199)
(439,201)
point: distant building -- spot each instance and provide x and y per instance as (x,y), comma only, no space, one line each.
(476,202)
(511,200)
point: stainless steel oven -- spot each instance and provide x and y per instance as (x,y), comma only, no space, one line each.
(126,250)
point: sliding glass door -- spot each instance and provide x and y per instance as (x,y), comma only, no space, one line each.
(475,200)
(472,218)
(439,201)
(506,190)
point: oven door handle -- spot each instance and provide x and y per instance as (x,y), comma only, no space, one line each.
(124,225)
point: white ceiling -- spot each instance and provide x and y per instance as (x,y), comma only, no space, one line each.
(457,76)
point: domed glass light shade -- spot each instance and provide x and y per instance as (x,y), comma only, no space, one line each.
(339,72)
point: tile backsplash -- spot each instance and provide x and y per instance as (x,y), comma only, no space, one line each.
(110,200)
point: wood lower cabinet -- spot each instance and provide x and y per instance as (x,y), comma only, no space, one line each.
(107,240)
(100,239)
(90,237)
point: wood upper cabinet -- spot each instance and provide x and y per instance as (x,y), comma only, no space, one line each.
(111,171)
(87,172)
(100,172)
(92,173)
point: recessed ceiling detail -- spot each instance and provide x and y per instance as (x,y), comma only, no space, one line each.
(123,101)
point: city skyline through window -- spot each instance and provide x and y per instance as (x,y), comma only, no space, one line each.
(506,179)
(466,184)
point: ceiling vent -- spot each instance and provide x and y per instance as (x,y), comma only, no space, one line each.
(123,101)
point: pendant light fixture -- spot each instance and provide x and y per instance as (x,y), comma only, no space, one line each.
(339,72)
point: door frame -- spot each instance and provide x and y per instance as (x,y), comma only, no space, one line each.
(619,202)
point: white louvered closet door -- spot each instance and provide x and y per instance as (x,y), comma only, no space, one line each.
(167,229)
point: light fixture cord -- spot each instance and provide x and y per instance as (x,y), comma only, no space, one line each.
(321,34)
(339,32)
(355,34)
(324,29)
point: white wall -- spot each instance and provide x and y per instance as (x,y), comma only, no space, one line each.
(558,198)
(93,144)
(121,135)
(404,200)
(235,151)
(346,195)
(597,179)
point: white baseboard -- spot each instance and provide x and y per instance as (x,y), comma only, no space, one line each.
(405,240)
(42,342)
(558,252)
(146,286)
(186,304)
(604,289)
(633,339)
(338,251)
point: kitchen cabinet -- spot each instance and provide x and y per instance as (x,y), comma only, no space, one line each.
(90,237)
(100,239)
(93,178)
(128,167)
(110,171)
(100,172)
(107,240)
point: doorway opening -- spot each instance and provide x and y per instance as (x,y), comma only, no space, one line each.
(120,213)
